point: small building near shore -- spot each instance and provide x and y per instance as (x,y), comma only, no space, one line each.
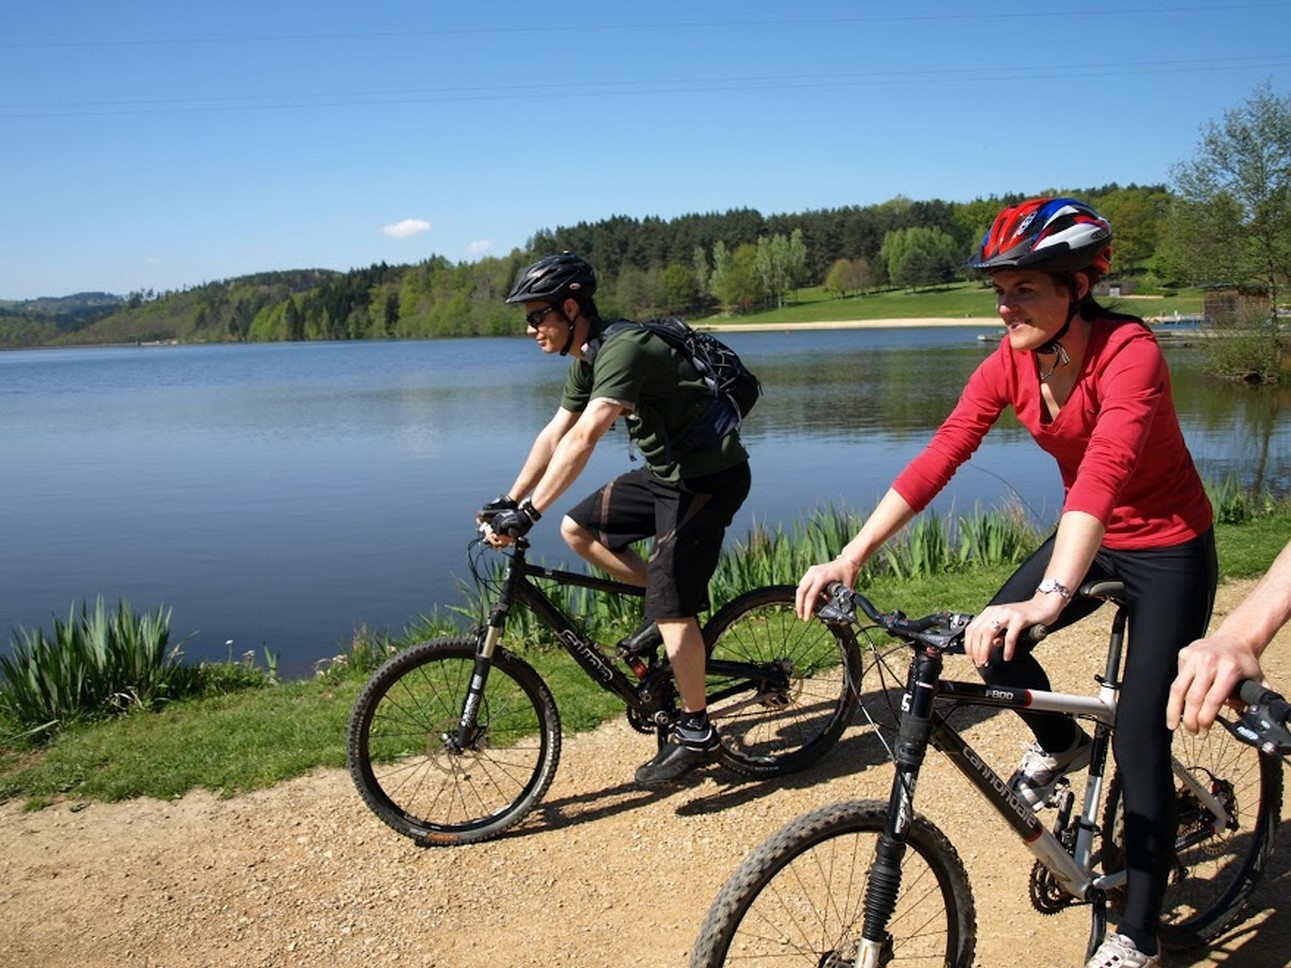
(1228,302)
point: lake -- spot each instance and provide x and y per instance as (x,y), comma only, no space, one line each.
(280,496)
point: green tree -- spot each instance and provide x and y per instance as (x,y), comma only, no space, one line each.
(1231,218)
(921,256)
(1137,215)
(293,322)
(735,282)
(847,276)
(678,291)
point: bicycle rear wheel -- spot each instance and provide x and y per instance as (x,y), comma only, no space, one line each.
(404,756)
(798,899)
(780,690)
(1215,868)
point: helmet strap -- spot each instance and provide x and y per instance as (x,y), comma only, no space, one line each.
(1055,346)
(569,340)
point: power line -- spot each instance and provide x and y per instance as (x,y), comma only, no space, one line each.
(607,88)
(567,29)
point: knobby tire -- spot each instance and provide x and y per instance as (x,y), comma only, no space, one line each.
(797,715)
(402,753)
(798,898)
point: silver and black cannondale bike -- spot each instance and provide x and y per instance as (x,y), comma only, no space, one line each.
(873,882)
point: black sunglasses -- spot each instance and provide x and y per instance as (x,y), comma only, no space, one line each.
(537,316)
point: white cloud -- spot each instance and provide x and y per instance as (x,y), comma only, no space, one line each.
(480,247)
(406,228)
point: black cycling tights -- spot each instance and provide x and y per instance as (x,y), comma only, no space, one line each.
(1169,593)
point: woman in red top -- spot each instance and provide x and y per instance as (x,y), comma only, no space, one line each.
(1091,386)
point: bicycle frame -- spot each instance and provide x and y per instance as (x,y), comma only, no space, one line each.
(920,724)
(517,587)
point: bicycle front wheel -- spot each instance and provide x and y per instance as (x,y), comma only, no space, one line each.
(799,898)
(409,766)
(1216,865)
(780,690)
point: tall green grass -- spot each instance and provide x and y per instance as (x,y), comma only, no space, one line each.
(95,663)
(102,662)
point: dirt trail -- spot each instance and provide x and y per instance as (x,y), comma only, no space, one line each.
(602,874)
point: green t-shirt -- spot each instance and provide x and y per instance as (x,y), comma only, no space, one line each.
(671,417)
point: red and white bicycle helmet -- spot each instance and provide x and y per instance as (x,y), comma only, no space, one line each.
(1053,234)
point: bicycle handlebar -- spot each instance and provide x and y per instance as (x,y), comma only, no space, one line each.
(940,630)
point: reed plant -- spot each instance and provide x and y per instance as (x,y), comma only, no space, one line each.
(1237,504)
(1003,537)
(94,664)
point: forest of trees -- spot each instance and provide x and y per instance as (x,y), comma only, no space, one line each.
(695,265)
(1227,219)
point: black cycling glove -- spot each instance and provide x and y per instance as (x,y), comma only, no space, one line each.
(517,521)
(503,502)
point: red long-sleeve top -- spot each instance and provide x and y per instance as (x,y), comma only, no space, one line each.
(1116,439)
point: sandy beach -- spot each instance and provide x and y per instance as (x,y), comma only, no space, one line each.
(978,322)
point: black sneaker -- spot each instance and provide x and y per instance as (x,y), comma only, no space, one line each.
(643,641)
(678,757)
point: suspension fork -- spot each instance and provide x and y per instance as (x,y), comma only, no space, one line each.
(486,642)
(912,748)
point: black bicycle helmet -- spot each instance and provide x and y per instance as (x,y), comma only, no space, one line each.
(555,278)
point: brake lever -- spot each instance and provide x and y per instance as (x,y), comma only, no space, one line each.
(1257,727)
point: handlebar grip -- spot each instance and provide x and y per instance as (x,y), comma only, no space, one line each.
(1254,694)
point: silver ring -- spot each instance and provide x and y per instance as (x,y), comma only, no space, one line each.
(996,625)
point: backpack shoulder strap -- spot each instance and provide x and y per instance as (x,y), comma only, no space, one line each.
(610,331)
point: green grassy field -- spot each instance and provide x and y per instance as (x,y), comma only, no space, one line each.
(961,300)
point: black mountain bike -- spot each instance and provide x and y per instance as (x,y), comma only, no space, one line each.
(872,882)
(455,740)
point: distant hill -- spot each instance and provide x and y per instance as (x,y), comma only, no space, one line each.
(78,305)
(38,322)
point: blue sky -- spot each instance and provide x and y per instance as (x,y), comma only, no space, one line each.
(159,145)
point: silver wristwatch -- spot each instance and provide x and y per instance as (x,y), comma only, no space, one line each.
(1053,585)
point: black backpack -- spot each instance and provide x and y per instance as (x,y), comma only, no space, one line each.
(731,382)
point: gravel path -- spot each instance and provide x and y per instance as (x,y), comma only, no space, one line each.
(602,874)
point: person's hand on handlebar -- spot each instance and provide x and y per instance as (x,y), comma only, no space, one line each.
(1210,669)
(510,524)
(817,580)
(1000,626)
(503,502)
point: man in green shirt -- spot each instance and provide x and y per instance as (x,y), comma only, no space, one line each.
(695,479)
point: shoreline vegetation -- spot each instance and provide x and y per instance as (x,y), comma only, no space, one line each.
(233,727)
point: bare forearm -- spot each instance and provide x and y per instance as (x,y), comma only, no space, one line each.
(890,515)
(572,452)
(1254,622)
(540,454)
(534,466)
(571,456)
(1078,539)
(887,518)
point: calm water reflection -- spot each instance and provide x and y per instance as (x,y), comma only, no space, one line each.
(282,495)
